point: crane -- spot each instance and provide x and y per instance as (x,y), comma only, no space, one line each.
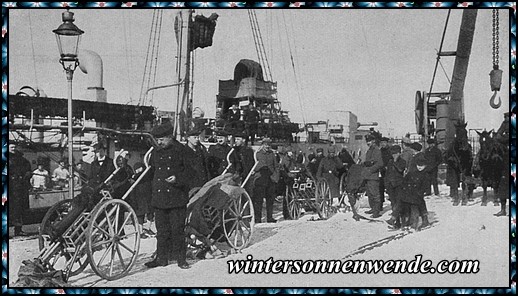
(451,111)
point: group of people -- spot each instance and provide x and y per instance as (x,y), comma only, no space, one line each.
(41,179)
(177,171)
(23,180)
(243,121)
(406,174)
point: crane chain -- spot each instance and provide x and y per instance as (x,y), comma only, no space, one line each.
(496,41)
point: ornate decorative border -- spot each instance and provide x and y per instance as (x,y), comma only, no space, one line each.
(336,5)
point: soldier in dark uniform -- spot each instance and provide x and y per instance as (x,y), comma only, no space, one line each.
(370,173)
(197,158)
(385,156)
(101,167)
(251,122)
(217,155)
(314,163)
(287,164)
(242,159)
(265,176)
(434,157)
(328,170)
(412,192)
(170,184)
(393,182)
(234,119)
(19,185)
(406,150)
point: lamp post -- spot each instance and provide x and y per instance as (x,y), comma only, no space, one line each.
(67,37)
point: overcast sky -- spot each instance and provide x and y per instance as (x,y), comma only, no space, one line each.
(370,62)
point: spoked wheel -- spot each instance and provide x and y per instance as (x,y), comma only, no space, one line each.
(323,199)
(238,220)
(293,206)
(113,239)
(55,214)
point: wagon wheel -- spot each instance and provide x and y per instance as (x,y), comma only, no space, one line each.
(323,199)
(293,205)
(238,220)
(113,239)
(55,214)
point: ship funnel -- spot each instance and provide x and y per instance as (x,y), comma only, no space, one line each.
(91,64)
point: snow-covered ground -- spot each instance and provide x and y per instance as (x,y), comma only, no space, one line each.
(460,233)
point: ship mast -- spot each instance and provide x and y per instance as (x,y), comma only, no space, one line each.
(183,109)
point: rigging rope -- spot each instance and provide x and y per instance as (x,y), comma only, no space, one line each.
(438,59)
(294,71)
(254,34)
(128,59)
(443,70)
(153,49)
(34,57)
(156,52)
(261,44)
(141,97)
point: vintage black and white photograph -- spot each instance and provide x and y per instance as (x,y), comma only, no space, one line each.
(310,148)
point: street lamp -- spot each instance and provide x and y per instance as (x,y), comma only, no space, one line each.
(68,36)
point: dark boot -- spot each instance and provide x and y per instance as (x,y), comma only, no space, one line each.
(425,221)
(375,215)
(502,211)
(269,210)
(454,193)
(392,221)
(456,201)
(484,199)
(258,209)
(155,263)
(464,199)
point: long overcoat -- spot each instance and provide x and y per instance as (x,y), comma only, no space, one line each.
(165,163)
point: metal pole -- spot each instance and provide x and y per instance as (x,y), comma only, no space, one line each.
(426,99)
(70,76)
(460,70)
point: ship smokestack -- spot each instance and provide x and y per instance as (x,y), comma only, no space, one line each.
(91,64)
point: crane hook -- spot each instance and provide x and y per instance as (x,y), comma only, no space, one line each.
(492,101)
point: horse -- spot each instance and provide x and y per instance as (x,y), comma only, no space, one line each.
(459,159)
(490,164)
